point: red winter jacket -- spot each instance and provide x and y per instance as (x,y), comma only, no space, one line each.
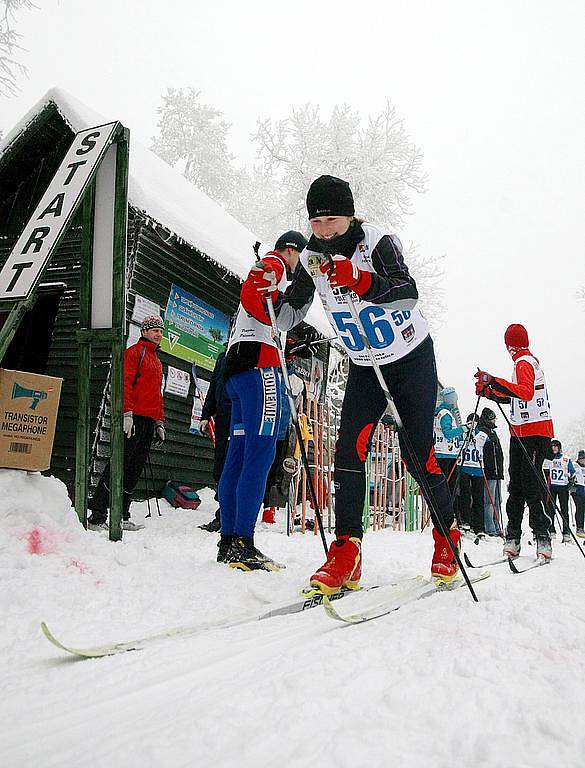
(142,393)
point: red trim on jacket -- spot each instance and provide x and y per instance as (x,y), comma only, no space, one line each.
(143,398)
(524,390)
(252,299)
(254,303)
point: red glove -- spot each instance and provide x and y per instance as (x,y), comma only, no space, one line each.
(263,279)
(260,282)
(483,383)
(344,273)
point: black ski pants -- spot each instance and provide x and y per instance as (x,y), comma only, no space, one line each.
(579,499)
(136,450)
(471,500)
(525,485)
(412,382)
(451,471)
(560,492)
(222,436)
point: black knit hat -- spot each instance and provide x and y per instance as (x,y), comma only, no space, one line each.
(329,196)
(291,239)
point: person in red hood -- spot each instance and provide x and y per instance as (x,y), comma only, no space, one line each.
(531,433)
(143,420)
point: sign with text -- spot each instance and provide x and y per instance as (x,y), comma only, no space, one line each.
(194,330)
(34,247)
(142,308)
(197,410)
(178,382)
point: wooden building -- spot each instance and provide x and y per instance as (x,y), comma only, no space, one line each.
(177,237)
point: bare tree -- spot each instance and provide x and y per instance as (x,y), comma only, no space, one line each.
(10,67)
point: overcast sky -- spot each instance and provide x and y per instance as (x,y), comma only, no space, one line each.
(492,92)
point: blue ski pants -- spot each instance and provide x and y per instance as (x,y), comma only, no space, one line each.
(256,405)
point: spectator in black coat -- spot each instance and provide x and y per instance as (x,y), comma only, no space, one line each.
(493,467)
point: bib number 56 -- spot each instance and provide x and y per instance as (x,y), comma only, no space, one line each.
(377,329)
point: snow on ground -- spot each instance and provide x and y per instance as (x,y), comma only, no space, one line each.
(441,682)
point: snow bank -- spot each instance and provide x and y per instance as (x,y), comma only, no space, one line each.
(36,515)
(443,682)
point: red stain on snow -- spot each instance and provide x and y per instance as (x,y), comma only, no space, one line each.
(40,542)
(81,566)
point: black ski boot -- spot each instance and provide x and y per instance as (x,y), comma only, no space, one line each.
(223,547)
(244,556)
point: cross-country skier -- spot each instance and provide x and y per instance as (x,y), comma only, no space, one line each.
(559,471)
(471,477)
(252,376)
(351,260)
(532,430)
(579,494)
(448,439)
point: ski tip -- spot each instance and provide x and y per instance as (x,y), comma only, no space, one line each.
(512,566)
(47,632)
(468,562)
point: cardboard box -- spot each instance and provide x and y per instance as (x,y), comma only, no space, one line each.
(28,415)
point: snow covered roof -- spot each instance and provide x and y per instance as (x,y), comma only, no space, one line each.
(166,197)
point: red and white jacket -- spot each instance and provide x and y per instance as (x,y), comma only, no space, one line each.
(527,395)
(251,343)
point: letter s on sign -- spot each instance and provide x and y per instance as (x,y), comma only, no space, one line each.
(88,143)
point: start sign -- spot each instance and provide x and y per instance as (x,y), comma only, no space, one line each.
(41,235)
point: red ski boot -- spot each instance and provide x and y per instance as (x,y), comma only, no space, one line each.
(444,565)
(268,515)
(343,568)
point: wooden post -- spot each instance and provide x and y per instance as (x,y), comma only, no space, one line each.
(84,367)
(118,327)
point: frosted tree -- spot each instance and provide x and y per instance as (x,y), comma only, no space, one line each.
(382,165)
(193,138)
(574,439)
(376,156)
(10,67)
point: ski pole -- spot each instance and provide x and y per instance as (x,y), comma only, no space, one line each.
(467,440)
(146,486)
(541,482)
(405,436)
(295,417)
